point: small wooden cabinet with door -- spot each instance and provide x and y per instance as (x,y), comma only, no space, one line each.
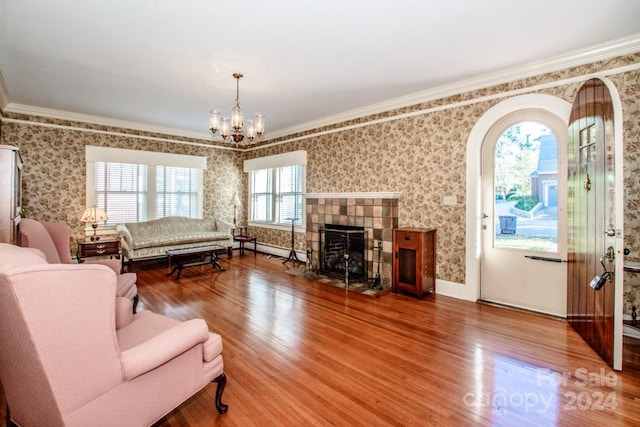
(414,260)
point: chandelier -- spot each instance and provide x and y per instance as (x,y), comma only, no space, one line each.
(233,126)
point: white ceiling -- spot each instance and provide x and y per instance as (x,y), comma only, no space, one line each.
(167,63)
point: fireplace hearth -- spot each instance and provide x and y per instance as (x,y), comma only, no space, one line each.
(342,249)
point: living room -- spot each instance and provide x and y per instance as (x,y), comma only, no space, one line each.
(417,153)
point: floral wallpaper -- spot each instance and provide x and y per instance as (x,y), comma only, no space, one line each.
(54,174)
(421,156)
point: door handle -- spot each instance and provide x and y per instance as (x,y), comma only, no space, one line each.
(610,256)
(599,281)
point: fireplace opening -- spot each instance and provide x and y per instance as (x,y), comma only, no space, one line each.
(342,246)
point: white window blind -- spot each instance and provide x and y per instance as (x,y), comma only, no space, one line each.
(176,192)
(121,190)
(289,192)
(276,188)
(134,186)
(261,195)
(276,195)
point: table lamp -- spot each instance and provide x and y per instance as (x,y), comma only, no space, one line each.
(235,202)
(94,215)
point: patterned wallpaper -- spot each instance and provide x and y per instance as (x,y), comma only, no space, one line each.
(422,157)
(54,174)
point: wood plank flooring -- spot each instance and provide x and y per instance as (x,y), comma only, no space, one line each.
(300,353)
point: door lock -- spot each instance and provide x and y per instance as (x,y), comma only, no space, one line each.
(610,232)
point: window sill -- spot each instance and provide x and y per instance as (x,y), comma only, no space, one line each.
(297,229)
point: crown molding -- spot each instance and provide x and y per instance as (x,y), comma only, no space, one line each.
(103,121)
(619,47)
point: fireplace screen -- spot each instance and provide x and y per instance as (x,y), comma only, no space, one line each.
(342,246)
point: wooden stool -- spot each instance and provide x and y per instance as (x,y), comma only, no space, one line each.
(241,234)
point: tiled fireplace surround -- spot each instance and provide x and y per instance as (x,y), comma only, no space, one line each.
(376,212)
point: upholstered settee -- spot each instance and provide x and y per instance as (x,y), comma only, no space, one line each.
(64,362)
(152,239)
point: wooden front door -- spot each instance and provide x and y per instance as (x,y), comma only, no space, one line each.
(591,217)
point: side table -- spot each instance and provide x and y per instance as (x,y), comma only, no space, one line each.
(241,234)
(106,247)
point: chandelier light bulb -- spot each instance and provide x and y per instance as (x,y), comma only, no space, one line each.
(259,122)
(214,120)
(251,130)
(225,128)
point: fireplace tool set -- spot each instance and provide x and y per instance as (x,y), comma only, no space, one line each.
(309,265)
(346,271)
(376,282)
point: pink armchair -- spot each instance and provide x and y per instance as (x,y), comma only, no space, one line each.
(64,365)
(53,238)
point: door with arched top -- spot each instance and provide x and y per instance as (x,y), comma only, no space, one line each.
(524,212)
(592,220)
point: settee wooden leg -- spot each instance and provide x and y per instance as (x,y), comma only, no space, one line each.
(221,382)
(135,304)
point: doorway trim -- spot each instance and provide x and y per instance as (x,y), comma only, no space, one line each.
(473,251)
(619,206)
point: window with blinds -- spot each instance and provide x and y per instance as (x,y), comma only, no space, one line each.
(176,191)
(123,191)
(276,195)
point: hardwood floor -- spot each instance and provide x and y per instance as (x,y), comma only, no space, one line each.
(298,352)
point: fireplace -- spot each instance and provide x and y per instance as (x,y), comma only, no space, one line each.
(343,248)
(377,213)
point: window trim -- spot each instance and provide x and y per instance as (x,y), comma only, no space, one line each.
(292,158)
(152,159)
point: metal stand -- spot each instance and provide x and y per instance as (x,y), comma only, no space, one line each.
(292,255)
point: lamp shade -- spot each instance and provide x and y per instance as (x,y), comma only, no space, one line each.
(235,200)
(94,215)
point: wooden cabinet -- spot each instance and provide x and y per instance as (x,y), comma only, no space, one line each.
(107,247)
(414,260)
(10,193)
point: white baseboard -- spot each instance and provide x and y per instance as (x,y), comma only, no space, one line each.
(450,289)
(629,331)
(279,251)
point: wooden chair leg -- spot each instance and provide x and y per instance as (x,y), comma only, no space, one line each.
(221,382)
(9,423)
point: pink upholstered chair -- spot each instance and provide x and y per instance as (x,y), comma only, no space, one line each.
(53,238)
(62,364)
